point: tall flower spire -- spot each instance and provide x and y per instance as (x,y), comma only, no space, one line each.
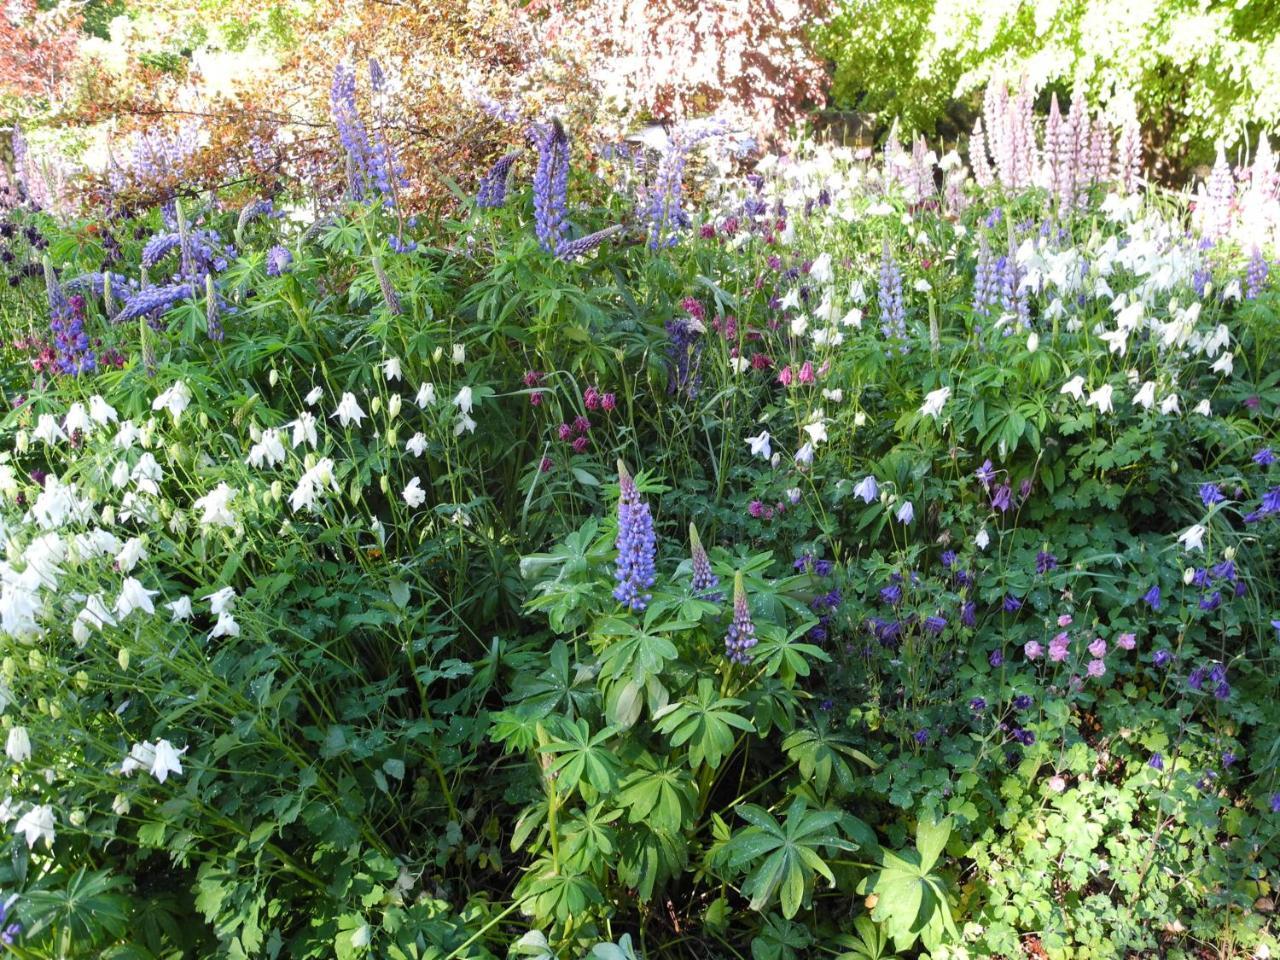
(704,578)
(551,184)
(636,543)
(742,632)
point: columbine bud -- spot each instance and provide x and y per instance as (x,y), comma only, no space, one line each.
(21,441)
(76,818)
(859,419)
(383,484)
(376,405)
(277,491)
(120,805)
(204,420)
(273,377)
(393,436)
(1229,553)
(1033,342)
(437,354)
(1188,575)
(122,658)
(393,405)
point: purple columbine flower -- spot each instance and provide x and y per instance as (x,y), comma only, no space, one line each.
(1012,604)
(636,543)
(921,736)
(1264,457)
(742,632)
(1275,803)
(1022,702)
(1045,562)
(1210,494)
(1162,658)
(977,704)
(704,578)
(996,659)
(1156,762)
(1002,499)
(1152,597)
(935,625)
(279,259)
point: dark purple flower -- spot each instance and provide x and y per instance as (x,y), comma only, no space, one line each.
(1156,762)
(934,625)
(1152,597)
(1012,604)
(1045,562)
(1210,494)
(1264,457)
(279,259)
(996,659)
(1162,658)
(921,736)
(977,704)
(1002,499)
(1022,702)
(573,249)
(550,184)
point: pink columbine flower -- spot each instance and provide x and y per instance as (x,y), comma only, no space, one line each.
(785,376)
(1096,668)
(1126,641)
(1032,650)
(1065,620)
(806,372)
(1098,648)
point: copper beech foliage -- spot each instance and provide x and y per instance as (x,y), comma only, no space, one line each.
(599,65)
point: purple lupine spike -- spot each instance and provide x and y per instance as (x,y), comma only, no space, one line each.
(1099,152)
(551,184)
(741,636)
(988,280)
(1079,130)
(637,545)
(1054,155)
(1013,298)
(1255,275)
(704,578)
(493,187)
(95,283)
(279,259)
(66,322)
(154,300)
(159,247)
(573,249)
(352,133)
(665,208)
(893,317)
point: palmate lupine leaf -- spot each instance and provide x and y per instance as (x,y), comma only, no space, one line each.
(705,722)
(582,755)
(786,855)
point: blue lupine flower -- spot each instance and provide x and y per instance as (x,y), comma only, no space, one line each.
(573,249)
(551,184)
(987,281)
(1255,275)
(493,188)
(636,543)
(742,632)
(1152,597)
(893,315)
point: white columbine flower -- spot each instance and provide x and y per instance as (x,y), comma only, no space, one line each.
(78,419)
(1170,404)
(805,454)
(130,554)
(348,411)
(459,353)
(100,411)
(176,399)
(417,444)
(760,445)
(463,401)
(35,824)
(464,425)
(1203,408)
(18,746)
(1146,396)
(1193,537)
(413,493)
(166,760)
(867,489)
(933,402)
(391,369)
(312,398)
(47,429)
(426,395)
(817,431)
(216,506)
(267,451)
(1100,398)
(983,539)
(141,757)
(180,609)
(225,627)
(1074,387)
(304,430)
(393,406)
(1224,364)
(134,596)
(906,513)
(221,600)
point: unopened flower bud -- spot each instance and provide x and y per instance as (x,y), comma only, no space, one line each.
(122,658)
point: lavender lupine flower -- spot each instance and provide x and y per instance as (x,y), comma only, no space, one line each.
(741,636)
(389,296)
(279,259)
(1058,147)
(988,279)
(573,249)
(493,188)
(1130,155)
(978,156)
(893,317)
(1215,207)
(704,578)
(550,184)
(250,212)
(665,208)
(636,543)
(154,300)
(1255,275)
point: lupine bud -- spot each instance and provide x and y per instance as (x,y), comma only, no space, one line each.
(742,632)
(704,578)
